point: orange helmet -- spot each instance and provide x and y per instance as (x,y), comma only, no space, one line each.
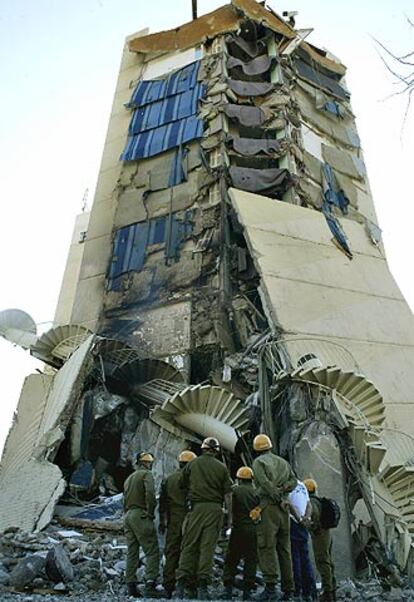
(310,485)
(186,456)
(244,472)
(262,443)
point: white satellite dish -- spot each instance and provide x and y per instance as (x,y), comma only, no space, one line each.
(18,327)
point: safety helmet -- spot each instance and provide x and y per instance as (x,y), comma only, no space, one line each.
(262,443)
(244,472)
(310,485)
(210,443)
(145,457)
(186,456)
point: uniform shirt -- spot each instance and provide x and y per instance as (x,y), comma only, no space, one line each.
(206,479)
(172,495)
(139,491)
(245,498)
(274,477)
(299,498)
(316,514)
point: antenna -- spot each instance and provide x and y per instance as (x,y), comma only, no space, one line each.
(194,5)
(85,200)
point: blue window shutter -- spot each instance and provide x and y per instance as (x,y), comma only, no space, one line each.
(158,228)
(129,252)
(139,244)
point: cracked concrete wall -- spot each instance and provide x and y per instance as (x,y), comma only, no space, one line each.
(312,289)
(24,433)
(29,483)
(318,456)
(157,331)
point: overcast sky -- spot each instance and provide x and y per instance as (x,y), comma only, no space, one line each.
(59,63)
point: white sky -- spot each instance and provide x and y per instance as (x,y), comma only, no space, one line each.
(59,62)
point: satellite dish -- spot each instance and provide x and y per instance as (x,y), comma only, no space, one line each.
(18,319)
(18,327)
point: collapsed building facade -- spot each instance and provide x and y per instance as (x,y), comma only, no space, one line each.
(230,278)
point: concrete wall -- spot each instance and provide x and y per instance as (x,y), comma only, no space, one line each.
(310,288)
(98,245)
(70,278)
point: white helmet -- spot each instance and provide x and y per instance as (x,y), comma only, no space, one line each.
(210,443)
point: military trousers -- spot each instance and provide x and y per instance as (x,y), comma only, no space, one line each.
(322,550)
(242,546)
(140,532)
(273,544)
(200,536)
(172,548)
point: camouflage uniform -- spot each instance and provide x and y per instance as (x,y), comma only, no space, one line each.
(173,511)
(274,479)
(322,548)
(207,481)
(139,506)
(242,544)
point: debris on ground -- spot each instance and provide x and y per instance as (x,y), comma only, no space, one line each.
(88,564)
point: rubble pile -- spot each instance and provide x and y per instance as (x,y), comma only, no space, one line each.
(62,561)
(88,565)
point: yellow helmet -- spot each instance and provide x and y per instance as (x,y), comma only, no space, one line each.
(210,443)
(145,457)
(262,443)
(186,456)
(244,472)
(310,485)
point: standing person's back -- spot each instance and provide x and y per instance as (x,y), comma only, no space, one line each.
(139,507)
(322,545)
(301,510)
(172,511)
(208,483)
(274,480)
(242,543)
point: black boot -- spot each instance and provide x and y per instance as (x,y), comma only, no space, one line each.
(268,593)
(203,591)
(132,589)
(247,593)
(227,593)
(287,596)
(150,591)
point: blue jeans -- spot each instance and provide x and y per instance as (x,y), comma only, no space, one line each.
(302,567)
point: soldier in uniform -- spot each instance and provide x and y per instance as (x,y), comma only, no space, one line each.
(274,480)
(242,544)
(322,545)
(139,508)
(207,483)
(172,511)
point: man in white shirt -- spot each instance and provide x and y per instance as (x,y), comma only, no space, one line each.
(300,513)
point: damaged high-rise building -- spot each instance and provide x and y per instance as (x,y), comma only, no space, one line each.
(230,278)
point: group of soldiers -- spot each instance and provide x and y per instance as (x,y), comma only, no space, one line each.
(269,514)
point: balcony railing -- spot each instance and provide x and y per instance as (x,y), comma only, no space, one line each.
(290,353)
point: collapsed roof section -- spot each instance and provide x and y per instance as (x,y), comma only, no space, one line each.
(226,19)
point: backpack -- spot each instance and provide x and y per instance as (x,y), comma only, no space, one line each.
(330,513)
